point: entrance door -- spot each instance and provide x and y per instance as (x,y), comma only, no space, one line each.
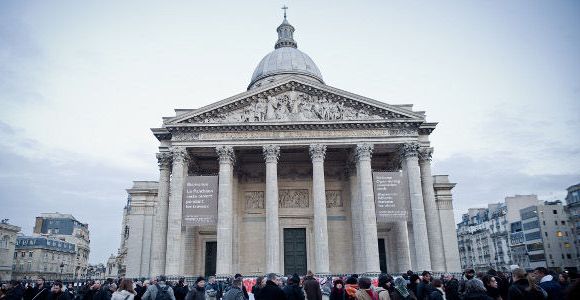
(295,251)
(382,256)
(210,258)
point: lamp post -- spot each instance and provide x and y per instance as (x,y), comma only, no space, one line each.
(61,267)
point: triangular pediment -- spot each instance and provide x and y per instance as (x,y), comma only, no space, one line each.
(294,100)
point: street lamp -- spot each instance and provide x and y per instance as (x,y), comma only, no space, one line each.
(61,267)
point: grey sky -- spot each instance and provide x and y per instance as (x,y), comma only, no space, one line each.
(82,83)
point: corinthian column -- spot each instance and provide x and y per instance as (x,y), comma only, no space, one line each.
(159,242)
(431,212)
(409,153)
(368,214)
(402,246)
(317,153)
(225,211)
(271,155)
(355,212)
(173,255)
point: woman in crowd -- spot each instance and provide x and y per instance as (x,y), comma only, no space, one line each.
(125,290)
(338,291)
(475,290)
(490,283)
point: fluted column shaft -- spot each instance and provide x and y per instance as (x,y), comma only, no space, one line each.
(368,215)
(402,246)
(317,153)
(431,213)
(225,211)
(356,212)
(159,240)
(271,155)
(409,153)
(173,255)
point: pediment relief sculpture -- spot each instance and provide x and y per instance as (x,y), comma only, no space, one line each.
(296,106)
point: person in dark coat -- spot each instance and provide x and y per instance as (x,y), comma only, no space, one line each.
(338,291)
(56,293)
(198,290)
(451,287)
(312,287)
(258,287)
(292,289)
(39,292)
(271,291)
(180,290)
(548,283)
(15,291)
(469,274)
(475,290)
(437,293)
(424,288)
(521,288)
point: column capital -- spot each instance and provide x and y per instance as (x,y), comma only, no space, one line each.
(225,154)
(317,151)
(425,154)
(364,151)
(271,153)
(179,154)
(410,149)
(164,159)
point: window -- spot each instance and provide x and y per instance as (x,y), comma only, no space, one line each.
(22,254)
(545,233)
(30,254)
(568,256)
(15,255)
(563,222)
(544,223)
(555,212)
(556,223)
(559,233)
(551,256)
(4,242)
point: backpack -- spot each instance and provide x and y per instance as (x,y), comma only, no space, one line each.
(211,293)
(162,293)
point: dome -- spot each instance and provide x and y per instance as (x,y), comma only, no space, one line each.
(285,59)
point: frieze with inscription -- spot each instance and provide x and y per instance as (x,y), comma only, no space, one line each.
(194,136)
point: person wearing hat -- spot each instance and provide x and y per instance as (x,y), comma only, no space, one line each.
(198,290)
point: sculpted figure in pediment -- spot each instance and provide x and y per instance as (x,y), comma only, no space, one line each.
(292,106)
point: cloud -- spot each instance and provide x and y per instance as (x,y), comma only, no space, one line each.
(63,182)
(483,180)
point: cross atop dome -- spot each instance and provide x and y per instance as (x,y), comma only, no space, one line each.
(285,33)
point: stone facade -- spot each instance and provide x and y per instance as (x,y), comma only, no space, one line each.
(66,227)
(45,257)
(8,235)
(295,159)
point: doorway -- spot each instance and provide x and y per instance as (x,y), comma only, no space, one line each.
(295,251)
(210,258)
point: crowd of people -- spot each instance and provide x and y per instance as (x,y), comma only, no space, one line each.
(492,285)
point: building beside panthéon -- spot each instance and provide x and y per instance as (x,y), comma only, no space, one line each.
(8,234)
(66,227)
(300,176)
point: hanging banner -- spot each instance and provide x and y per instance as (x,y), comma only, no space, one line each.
(390,204)
(200,200)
